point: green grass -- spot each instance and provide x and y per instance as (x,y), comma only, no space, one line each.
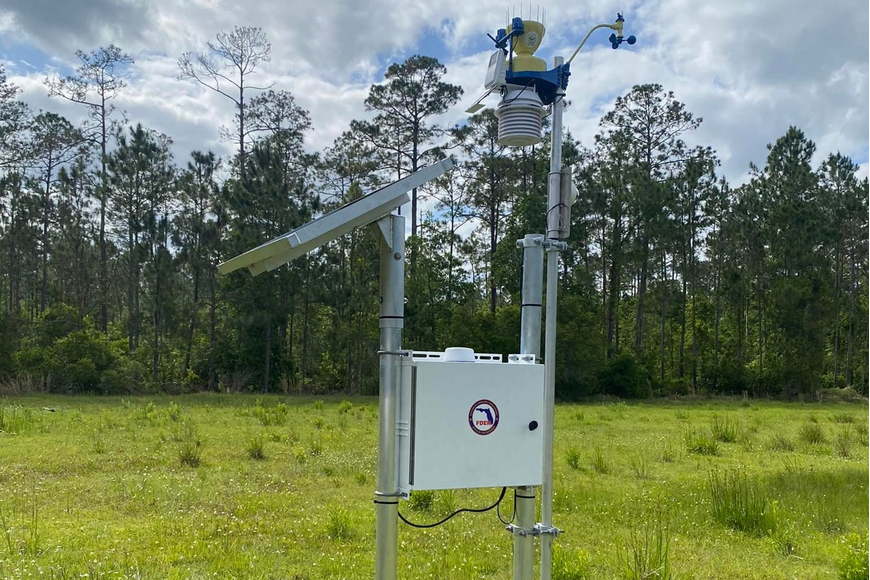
(742,504)
(812,434)
(700,441)
(165,487)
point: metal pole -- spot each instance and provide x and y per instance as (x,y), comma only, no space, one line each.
(530,343)
(553,213)
(392,312)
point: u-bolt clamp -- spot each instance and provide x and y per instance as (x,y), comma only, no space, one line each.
(537,530)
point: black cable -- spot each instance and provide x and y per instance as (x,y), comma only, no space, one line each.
(513,514)
(459,511)
(522,90)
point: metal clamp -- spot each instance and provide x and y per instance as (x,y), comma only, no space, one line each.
(530,241)
(555,245)
(392,494)
(537,530)
(396,352)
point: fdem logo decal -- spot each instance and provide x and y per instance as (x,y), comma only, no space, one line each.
(483,417)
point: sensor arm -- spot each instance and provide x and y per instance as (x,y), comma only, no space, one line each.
(617,26)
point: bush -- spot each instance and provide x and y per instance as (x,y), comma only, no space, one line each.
(75,362)
(623,377)
(854,565)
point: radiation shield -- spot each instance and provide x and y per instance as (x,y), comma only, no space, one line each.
(326,228)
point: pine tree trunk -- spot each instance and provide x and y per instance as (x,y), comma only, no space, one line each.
(641,299)
(212,331)
(853,288)
(837,283)
(192,326)
(681,372)
(267,357)
(664,296)
(104,189)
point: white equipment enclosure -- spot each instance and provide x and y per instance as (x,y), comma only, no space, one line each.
(469,424)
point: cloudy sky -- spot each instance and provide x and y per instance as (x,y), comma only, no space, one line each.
(749,68)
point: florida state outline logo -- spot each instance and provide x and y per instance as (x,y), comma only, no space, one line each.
(483,417)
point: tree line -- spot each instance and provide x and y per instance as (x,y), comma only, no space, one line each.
(675,282)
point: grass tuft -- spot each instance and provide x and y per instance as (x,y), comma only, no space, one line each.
(844,418)
(700,442)
(256,448)
(570,564)
(573,457)
(639,464)
(190,451)
(854,565)
(421,500)
(599,461)
(780,442)
(812,434)
(339,525)
(843,442)
(668,453)
(741,504)
(724,430)
(648,554)
(269,416)
(862,430)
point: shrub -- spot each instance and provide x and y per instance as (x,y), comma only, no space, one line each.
(724,430)
(75,362)
(700,442)
(740,503)
(624,377)
(812,434)
(344,407)
(854,564)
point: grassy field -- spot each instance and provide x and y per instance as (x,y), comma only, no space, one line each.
(234,487)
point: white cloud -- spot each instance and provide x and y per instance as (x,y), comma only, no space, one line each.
(750,69)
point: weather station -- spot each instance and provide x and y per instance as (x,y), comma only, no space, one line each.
(459,419)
